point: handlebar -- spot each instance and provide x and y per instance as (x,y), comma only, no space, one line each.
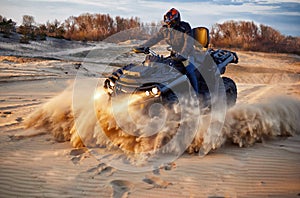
(235,59)
(145,50)
(170,60)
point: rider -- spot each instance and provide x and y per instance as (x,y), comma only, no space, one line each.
(180,40)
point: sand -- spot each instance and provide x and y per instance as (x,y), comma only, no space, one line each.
(41,166)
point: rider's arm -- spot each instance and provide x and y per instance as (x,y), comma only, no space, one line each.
(188,41)
(160,35)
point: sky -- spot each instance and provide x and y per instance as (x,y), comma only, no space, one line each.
(282,15)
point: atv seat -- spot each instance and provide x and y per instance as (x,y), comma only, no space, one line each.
(201,36)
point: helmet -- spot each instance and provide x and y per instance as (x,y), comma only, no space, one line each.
(172,17)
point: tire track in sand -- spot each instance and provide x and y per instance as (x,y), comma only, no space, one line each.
(254,93)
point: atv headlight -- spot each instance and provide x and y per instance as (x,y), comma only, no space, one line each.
(147,93)
(111,84)
(152,91)
(155,91)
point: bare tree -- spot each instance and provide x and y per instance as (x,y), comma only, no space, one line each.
(7,26)
(27,29)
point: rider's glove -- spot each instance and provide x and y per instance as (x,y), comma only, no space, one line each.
(140,49)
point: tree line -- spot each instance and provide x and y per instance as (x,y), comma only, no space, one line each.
(242,35)
(86,27)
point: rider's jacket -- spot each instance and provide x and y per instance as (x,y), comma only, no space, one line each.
(179,37)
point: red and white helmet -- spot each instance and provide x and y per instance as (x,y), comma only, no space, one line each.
(172,17)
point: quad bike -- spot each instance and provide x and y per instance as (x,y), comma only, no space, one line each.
(159,79)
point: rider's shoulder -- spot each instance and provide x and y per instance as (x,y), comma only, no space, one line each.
(185,26)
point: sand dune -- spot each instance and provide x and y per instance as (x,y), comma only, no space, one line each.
(264,123)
